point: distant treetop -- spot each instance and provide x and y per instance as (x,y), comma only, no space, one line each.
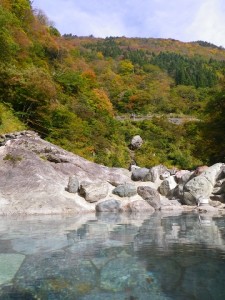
(207,44)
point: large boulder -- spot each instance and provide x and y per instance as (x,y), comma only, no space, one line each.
(139,174)
(125,190)
(170,205)
(183,176)
(212,173)
(92,192)
(140,206)
(168,186)
(34,175)
(201,185)
(155,173)
(136,142)
(178,192)
(150,195)
(219,187)
(37,177)
(218,193)
(110,205)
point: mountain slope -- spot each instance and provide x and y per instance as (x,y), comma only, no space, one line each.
(69,89)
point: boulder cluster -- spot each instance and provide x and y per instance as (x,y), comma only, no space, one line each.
(189,187)
(37,177)
(158,188)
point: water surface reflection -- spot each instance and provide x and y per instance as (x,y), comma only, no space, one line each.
(113,256)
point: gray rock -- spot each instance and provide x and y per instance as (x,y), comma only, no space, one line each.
(16,135)
(170,205)
(219,187)
(165,175)
(110,205)
(183,176)
(150,195)
(31,184)
(194,188)
(136,142)
(202,185)
(155,173)
(222,173)
(92,192)
(140,206)
(178,192)
(168,186)
(139,174)
(133,167)
(116,180)
(212,173)
(125,190)
(73,184)
(172,171)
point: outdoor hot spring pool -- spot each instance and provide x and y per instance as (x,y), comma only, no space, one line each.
(105,257)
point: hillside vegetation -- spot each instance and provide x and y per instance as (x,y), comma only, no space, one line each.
(69,89)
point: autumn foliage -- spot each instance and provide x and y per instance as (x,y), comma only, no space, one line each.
(72,89)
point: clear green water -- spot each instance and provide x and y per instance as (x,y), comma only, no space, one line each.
(105,257)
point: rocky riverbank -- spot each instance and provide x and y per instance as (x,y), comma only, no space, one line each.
(38,177)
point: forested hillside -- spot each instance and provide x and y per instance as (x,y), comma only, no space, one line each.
(70,89)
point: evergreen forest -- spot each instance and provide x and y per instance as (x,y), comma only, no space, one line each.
(80,92)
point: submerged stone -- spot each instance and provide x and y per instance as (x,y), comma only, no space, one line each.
(9,265)
(123,273)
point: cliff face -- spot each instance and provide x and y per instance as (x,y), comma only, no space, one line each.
(34,175)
